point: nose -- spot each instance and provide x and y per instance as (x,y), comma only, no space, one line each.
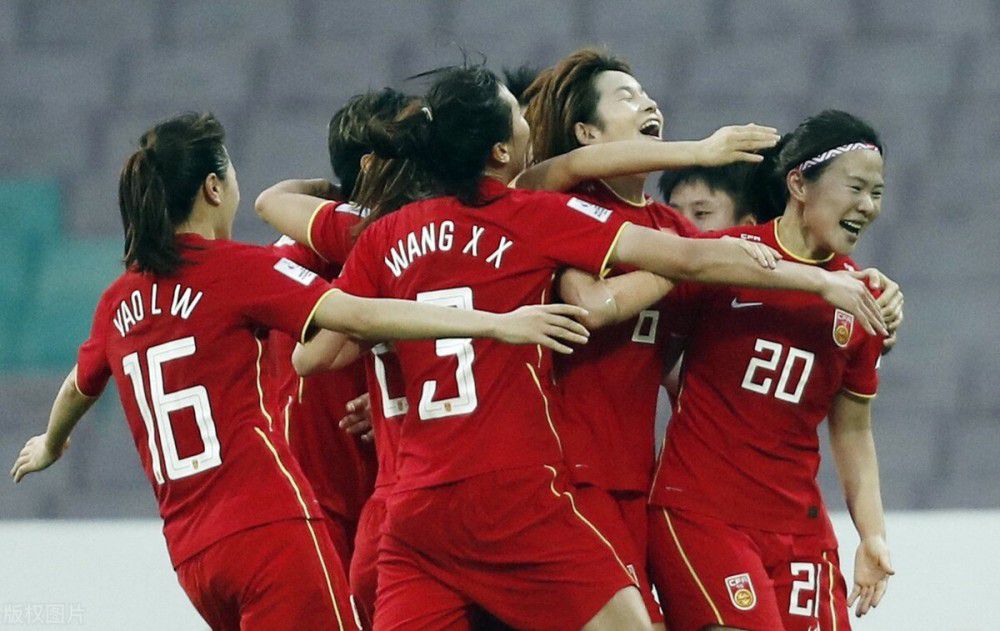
(867,204)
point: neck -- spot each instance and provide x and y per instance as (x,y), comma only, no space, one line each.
(630,188)
(202,223)
(499,174)
(795,238)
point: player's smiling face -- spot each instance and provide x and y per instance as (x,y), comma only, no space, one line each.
(841,204)
(624,111)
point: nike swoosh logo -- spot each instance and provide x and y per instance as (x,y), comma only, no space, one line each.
(743,305)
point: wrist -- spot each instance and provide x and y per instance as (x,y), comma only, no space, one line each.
(52,445)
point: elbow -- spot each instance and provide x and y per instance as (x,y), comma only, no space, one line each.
(262,204)
(303,365)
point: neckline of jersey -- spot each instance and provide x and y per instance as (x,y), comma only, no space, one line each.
(645,198)
(800,259)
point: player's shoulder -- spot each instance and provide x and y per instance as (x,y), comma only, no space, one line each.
(756,232)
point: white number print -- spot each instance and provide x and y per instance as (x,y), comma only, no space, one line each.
(461,348)
(770,365)
(808,586)
(391,406)
(163,403)
(646,327)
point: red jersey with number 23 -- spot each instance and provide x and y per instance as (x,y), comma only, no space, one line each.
(609,386)
(761,370)
(477,405)
(182,350)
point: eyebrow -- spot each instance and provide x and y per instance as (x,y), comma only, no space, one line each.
(858,178)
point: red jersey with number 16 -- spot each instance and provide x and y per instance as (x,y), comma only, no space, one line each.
(477,405)
(183,350)
(609,386)
(761,370)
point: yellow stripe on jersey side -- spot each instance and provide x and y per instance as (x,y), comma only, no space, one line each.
(694,575)
(288,419)
(308,516)
(545,401)
(833,605)
(260,389)
(309,229)
(312,314)
(605,268)
(604,540)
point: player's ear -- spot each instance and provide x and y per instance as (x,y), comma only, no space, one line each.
(585,134)
(796,185)
(500,153)
(366,161)
(211,188)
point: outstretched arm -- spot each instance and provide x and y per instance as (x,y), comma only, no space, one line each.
(289,206)
(725,261)
(612,300)
(626,157)
(326,350)
(389,319)
(42,450)
(854,451)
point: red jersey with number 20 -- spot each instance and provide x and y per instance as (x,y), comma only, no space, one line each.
(609,386)
(477,405)
(183,351)
(761,370)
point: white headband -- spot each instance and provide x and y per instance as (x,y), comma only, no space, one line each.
(830,154)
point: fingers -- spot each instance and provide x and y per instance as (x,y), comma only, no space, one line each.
(880,588)
(368,436)
(565,334)
(562,309)
(570,325)
(865,602)
(855,592)
(742,156)
(555,345)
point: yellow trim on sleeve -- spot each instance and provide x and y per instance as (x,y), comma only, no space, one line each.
(309,228)
(611,249)
(694,575)
(312,314)
(76,386)
(858,394)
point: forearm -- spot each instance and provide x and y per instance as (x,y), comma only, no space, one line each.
(853,449)
(612,300)
(713,261)
(608,160)
(288,206)
(390,319)
(68,408)
(319,354)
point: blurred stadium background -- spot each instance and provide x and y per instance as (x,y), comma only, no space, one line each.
(81,79)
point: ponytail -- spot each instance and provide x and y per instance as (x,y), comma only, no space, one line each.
(158,186)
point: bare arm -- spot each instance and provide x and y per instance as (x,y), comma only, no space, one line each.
(41,451)
(326,350)
(612,300)
(627,157)
(289,206)
(725,261)
(388,319)
(854,452)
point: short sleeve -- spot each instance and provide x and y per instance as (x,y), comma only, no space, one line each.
(92,367)
(330,230)
(360,276)
(307,258)
(861,374)
(577,233)
(278,293)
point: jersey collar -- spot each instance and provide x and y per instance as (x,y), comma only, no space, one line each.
(793,255)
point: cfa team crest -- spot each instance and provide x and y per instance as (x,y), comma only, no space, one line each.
(741,592)
(843,327)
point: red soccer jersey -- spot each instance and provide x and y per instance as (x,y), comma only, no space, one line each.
(761,370)
(387,390)
(183,352)
(609,387)
(477,405)
(331,230)
(340,468)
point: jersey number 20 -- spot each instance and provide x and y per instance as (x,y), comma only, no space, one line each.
(163,403)
(765,365)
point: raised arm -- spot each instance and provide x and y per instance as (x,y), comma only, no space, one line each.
(388,319)
(725,261)
(289,206)
(854,452)
(626,157)
(42,450)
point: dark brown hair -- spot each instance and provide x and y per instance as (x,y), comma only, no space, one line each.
(564,95)
(158,185)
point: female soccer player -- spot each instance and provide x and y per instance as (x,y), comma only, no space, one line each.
(482,513)
(177,331)
(740,537)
